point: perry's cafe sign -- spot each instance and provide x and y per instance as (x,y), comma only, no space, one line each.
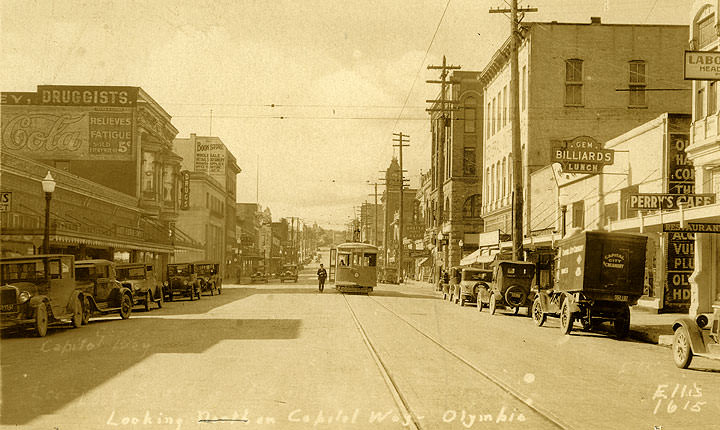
(650,202)
(582,154)
(702,65)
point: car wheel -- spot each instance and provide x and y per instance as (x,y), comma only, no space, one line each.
(566,318)
(493,304)
(538,315)
(77,318)
(125,307)
(479,303)
(682,352)
(622,322)
(148,300)
(462,300)
(87,310)
(41,320)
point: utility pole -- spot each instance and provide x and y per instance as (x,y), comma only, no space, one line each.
(401,140)
(445,106)
(376,243)
(517,195)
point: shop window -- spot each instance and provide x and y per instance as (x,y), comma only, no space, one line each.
(470,115)
(637,84)
(578,214)
(573,82)
(469,165)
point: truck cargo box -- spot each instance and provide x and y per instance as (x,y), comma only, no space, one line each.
(602,265)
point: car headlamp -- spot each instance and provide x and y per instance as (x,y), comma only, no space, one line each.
(23,297)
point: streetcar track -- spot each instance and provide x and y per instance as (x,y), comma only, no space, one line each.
(547,415)
(399,399)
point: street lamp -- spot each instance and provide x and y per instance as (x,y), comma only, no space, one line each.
(460,244)
(48,185)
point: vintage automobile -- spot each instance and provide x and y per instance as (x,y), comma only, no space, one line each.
(103,293)
(37,290)
(387,274)
(140,279)
(289,273)
(182,281)
(599,275)
(471,281)
(259,276)
(208,274)
(510,287)
(700,337)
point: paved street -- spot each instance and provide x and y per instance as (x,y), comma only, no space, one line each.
(286,356)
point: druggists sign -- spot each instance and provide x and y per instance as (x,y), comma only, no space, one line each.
(70,123)
(702,65)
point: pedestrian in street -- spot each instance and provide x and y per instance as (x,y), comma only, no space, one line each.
(321,274)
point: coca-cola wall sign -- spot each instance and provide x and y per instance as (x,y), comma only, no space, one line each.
(70,123)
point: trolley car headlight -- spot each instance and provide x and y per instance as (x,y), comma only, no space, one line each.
(357,275)
(23,297)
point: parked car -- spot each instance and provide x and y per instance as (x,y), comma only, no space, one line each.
(141,280)
(102,292)
(182,281)
(700,337)
(289,273)
(208,274)
(511,286)
(259,276)
(471,281)
(37,290)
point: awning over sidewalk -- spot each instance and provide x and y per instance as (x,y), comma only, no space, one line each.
(470,259)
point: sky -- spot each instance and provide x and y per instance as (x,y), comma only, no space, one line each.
(343,76)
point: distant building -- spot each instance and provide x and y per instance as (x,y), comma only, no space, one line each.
(208,195)
(247,258)
(391,207)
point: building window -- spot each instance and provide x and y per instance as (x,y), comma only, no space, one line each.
(487,121)
(470,115)
(168,183)
(492,184)
(700,101)
(712,98)
(523,88)
(706,31)
(573,82)
(505,107)
(469,161)
(471,208)
(497,181)
(494,116)
(637,84)
(504,178)
(578,214)
(487,185)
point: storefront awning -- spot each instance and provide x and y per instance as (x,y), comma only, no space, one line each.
(470,259)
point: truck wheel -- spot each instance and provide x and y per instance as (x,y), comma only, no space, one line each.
(566,318)
(682,352)
(493,304)
(77,318)
(622,322)
(148,300)
(125,307)
(41,320)
(538,315)
(87,310)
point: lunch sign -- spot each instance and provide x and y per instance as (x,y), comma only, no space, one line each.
(582,154)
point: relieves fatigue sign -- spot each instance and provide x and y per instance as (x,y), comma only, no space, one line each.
(582,154)
(669,201)
(702,65)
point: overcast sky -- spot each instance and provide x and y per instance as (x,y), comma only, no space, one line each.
(339,71)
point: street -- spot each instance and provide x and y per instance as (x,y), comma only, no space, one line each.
(286,356)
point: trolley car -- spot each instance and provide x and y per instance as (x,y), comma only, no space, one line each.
(353,267)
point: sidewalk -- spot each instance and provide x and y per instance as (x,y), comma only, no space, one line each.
(644,326)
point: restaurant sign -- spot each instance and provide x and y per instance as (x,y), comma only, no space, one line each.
(649,201)
(702,65)
(693,227)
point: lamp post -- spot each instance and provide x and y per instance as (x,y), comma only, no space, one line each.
(460,244)
(48,185)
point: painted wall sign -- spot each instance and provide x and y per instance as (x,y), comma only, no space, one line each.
(69,95)
(649,201)
(67,133)
(210,158)
(702,65)
(5,201)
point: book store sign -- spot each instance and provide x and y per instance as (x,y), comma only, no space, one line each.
(582,154)
(669,201)
(702,65)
